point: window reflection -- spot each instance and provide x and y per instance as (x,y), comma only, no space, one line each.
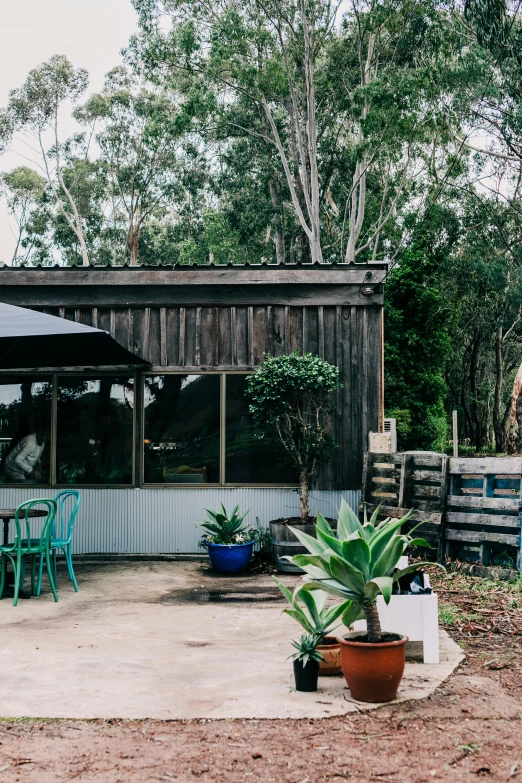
(248,460)
(95,430)
(181,429)
(25,427)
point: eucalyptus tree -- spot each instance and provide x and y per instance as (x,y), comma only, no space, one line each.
(34,110)
(483,285)
(342,114)
(21,188)
(266,52)
(141,136)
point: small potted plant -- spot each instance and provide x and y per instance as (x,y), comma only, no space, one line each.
(309,608)
(306,663)
(358,564)
(229,542)
(290,399)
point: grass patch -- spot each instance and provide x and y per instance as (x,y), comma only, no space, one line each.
(448,614)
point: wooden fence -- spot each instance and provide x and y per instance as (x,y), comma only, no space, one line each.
(469,507)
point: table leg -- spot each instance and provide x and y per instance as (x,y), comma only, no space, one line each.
(6,530)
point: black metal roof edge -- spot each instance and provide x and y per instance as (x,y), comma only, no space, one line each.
(230,265)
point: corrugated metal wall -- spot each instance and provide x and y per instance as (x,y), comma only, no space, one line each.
(152,521)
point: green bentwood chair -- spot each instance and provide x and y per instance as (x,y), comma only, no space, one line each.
(68,503)
(29,547)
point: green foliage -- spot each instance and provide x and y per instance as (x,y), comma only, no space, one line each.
(358,563)
(306,647)
(23,189)
(224,528)
(290,398)
(448,615)
(262,537)
(418,320)
(309,609)
(220,239)
(489,18)
(35,104)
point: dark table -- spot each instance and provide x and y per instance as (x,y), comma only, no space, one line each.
(6,515)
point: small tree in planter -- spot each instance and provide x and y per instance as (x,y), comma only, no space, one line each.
(291,398)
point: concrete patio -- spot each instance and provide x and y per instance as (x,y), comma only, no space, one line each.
(168,640)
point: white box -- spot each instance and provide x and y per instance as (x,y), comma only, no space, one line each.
(414,616)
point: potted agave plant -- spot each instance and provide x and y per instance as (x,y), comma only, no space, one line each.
(307,659)
(359,563)
(229,542)
(309,608)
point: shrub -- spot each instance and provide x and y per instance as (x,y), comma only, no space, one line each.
(290,399)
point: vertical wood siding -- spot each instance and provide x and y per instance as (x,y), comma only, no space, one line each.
(230,337)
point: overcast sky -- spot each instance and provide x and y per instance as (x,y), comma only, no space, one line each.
(90,33)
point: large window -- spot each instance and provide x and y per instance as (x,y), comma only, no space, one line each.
(94,443)
(71,429)
(25,428)
(182,429)
(248,460)
(198,430)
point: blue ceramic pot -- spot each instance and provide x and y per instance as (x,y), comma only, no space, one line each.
(230,558)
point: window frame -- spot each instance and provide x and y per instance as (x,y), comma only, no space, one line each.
(138,431)
(222,435)
(27,374)
(53,441)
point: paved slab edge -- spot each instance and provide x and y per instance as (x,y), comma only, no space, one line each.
(331,699)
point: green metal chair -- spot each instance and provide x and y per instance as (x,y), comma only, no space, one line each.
(62,532)
(29,547)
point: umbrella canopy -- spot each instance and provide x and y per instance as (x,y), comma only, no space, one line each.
(31,340)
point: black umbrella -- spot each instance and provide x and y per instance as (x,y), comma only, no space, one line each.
(32,340)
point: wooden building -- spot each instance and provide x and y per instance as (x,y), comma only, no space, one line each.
(203,329)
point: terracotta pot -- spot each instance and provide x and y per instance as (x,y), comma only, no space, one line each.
(331,652)
(373,671)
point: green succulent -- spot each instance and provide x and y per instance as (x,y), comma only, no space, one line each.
(310,610)
(358,563)
(225,529)
(306,647)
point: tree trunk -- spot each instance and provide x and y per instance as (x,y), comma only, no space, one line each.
(305,508)
(473,371)
(358,197)
(497,426)
(465,408)
(373,623)
(275,198)
(519,425)
(76,222)
(279,238)
(510,417)
(134,238)
(305,249)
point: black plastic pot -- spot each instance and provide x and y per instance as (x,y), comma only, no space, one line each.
(306,676)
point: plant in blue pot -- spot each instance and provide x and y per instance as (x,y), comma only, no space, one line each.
(229,541)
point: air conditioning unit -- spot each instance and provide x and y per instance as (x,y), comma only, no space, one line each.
(390,426)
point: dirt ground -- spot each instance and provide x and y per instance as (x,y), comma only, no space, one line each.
(469,729)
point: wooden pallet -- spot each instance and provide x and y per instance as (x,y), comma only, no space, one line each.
(413,480)
(484,506)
